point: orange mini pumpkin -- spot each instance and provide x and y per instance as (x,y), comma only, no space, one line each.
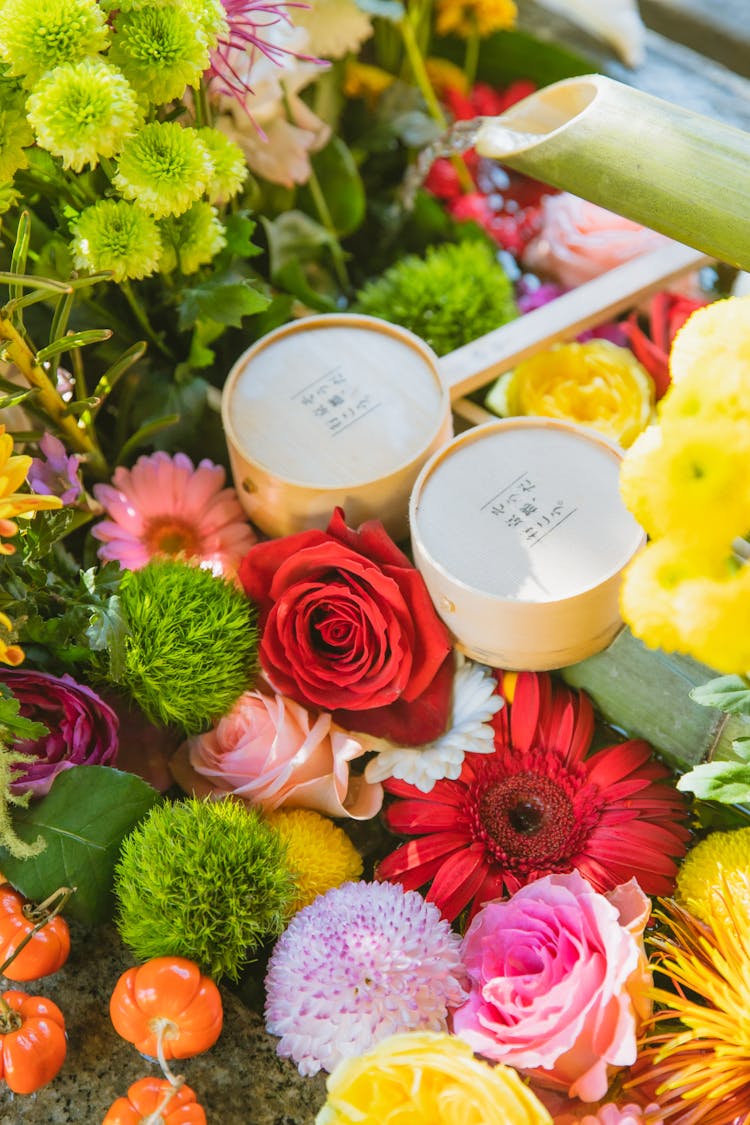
(148,1095)
(45,953)
(32,1041)
(167,1002)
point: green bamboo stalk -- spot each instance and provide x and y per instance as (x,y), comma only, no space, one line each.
(645,694)
(678,172)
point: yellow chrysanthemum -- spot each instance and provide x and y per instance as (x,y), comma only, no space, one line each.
(596,384)
(692,475)
(723,858)
(714,340)
(695,1057)
(319,853)
(466,17)
(714,621)
(364,81)
(696,397)
(648,591)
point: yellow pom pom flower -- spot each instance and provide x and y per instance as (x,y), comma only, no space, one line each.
(319,853)
(466,17)
(714,621)
(691,476)
(714,340)
(648,591)
(723,858)
(724,398)
(596,384)
(425,1077)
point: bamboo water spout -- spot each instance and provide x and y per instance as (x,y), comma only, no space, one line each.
(668,168)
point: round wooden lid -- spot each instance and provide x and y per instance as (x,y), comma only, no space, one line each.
(335,400)
(525,509)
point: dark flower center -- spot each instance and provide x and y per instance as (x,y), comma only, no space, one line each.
(531,819)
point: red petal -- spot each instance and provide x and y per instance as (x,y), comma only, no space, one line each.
(611,765)
(443,792)
(458,880)
(525,709)
(408,724)
(418,853)
(416,817)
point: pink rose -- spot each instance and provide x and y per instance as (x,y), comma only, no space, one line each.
(271,751)
(558,975)
(579,241)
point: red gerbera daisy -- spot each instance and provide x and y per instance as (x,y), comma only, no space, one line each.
(538,805)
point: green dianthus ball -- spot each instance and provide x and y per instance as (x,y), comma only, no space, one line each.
(454,294)
(206,880)
(192,645)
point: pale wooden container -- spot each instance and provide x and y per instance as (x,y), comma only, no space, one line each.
(520,534)
(333,410)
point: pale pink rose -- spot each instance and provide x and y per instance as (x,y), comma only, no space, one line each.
(557,982)
(271,751)
(611,1114)
(579,241)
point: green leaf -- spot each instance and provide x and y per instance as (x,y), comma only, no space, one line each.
(225,302)
(386,9)
(726,693)
(342,186)
(239,229)
(145,433)
(83,819)
(726,782)
(108,629)
(294,237)
(291,277)
(12,722)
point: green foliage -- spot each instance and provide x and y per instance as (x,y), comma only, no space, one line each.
(192,644)
(726,693)
(81,822)
(63,613)
(726,782)
(456,293)
(205,880)
(13,725)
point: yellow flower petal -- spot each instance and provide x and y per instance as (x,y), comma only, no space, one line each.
(596,384)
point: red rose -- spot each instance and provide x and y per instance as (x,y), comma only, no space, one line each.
(348,626)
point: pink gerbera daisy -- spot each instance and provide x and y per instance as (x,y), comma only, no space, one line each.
(538,805)
(165,506)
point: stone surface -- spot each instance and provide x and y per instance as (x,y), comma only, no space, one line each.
(240,1081)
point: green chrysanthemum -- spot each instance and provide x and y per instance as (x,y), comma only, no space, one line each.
(161,50)
(191,240)
(117,236)
(38,35)
(15,131)
(454,294)
(204,880)
(83,111)
(230,167)
(164,168)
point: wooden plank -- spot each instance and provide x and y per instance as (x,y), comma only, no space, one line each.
(477,363)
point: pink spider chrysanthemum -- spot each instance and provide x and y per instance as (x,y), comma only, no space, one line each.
(249,23)
(165,506)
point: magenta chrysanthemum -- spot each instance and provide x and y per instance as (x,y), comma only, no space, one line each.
(362,962)
(165,506)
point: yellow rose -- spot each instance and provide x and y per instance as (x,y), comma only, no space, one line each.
(422,1078)
(596,384)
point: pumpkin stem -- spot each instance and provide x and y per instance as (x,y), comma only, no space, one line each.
(44,916)
(10,1020)
(157,1117)
(45,911)
(165,1029)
